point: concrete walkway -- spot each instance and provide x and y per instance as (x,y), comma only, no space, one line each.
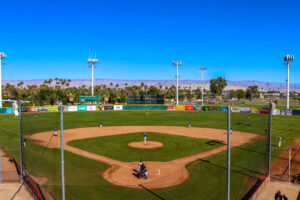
(7,190)
(289,189)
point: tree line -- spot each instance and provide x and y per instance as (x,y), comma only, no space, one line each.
(53,91)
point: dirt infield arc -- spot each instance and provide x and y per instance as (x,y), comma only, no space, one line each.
(162,174)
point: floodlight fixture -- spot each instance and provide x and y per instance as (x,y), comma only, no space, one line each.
(288,62)
(202,71)
(2,56)
(177,63)
(93,61)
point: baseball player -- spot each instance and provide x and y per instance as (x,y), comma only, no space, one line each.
(101,125)
(145,137)
(230,131)
(279,142)
(190,124)
(55,132)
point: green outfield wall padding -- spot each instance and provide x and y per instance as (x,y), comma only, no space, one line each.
(296,112)
(145,107)
(2,110)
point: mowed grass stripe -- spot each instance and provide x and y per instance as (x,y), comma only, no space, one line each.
(116,146)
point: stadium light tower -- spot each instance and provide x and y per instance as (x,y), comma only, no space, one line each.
(202,71)
(177,63)
(93,61)
(2,55)
(288,61)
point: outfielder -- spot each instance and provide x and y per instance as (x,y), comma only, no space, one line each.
(279,142)
(145,137)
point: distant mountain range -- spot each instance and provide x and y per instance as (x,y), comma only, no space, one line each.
(182,83)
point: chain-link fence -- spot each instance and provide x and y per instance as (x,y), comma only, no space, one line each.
(144,154)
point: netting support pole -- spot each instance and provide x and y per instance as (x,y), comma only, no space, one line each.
(270,138)
(62,150)
(0,168)
(290,165)
(228,152)
(21,143)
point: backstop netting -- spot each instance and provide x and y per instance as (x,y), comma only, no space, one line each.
(249,160)
(184,153)
(40,153)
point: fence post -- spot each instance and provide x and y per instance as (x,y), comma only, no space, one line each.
(270,137)
(62,150)
(228,151)
(21,143)
(0,167)
(290,164)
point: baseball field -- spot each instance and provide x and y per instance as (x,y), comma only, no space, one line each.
(183,163)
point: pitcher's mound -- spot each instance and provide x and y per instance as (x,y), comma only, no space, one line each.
(147,145)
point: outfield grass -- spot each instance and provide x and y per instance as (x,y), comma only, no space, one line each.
(116,146)
(207,177)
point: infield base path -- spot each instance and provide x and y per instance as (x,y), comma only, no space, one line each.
(162,174)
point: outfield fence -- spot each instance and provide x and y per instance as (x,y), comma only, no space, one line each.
(286,112)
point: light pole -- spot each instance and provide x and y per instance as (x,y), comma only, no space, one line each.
(202,70)
(2,55)
(288,61)
(177,63)
(93,61)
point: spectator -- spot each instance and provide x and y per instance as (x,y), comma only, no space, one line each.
(284,197)
(278,196)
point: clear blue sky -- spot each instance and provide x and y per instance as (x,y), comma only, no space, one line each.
(239,40)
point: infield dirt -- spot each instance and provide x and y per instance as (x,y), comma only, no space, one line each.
(162,174)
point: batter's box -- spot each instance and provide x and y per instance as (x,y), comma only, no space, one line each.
(154,172)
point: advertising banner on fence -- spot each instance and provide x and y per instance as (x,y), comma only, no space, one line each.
(43,109)
(296,112)
(276,112)
(180,107)
(214,108)
(9,110)
(282,112)
(91,108)
(108,108)
(53,108)
(289,112)
(33,109)
(245,110)
(82,108)
(198,108)
(264,111)
(72,108)
(189,108)
(254,110)
(224,109)
(236,109)
(171,107)
(118,107)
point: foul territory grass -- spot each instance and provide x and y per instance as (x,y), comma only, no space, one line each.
(207,176)
(174,146)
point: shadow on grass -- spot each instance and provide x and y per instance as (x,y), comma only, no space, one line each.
(233,170)
(151,192)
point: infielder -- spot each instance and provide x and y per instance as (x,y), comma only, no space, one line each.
(190,124)
(101,125)
(55,132)
(279,142)
(145,137)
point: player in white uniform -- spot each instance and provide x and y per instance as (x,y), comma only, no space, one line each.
(145,137)
(279,142)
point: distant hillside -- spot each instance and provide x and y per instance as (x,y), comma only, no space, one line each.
(192,83)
